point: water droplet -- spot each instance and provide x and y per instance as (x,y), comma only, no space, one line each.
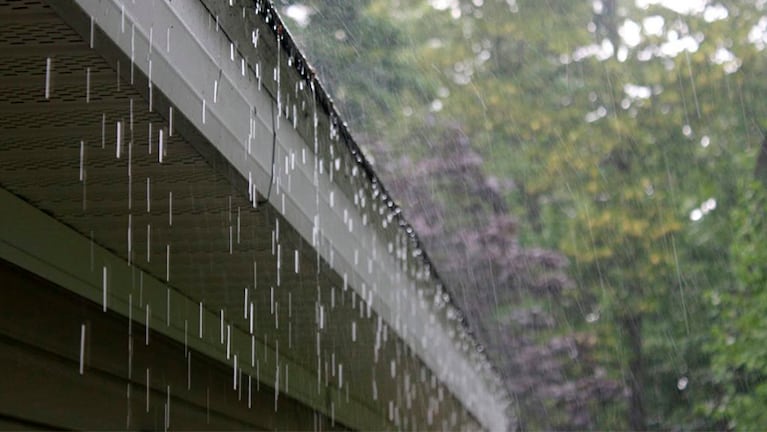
(82,348)
(130,238)
(222,326)
(147,324)
(148,242)
(104,287)
(161,145)
(228,341)
(251,318)
(91,34)
(696,215)
(118,132)
(48,65)
(87,85)
(147,389)
(82,160)
(687,130)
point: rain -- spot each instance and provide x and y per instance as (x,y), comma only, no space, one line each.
(582,176)
(436,214)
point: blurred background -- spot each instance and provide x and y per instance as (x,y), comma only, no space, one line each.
(586,176)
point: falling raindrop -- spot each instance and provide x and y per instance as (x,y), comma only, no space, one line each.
(130,238)
(161,146)
(132,51)
(149,83)
(222,326)
(167,409)
(87,85)
(245,303)
(82,160)
(276,386)
(118,146)
(252,351)
(147,389)
(148,241)
(48,64)
(229,342)
(104,287)
(146,324)
(148,196)
(91,34)
(82,348)
(251,318)
(234,378)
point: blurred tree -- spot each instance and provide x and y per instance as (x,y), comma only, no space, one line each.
(607,136)
(618,134)
(739,346)
(361,56)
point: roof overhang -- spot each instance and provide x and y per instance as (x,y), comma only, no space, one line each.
(182,237)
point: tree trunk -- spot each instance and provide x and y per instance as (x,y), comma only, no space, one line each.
(632,326)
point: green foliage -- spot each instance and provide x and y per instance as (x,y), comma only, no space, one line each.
(360,51)
(608,177)
(739,346)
